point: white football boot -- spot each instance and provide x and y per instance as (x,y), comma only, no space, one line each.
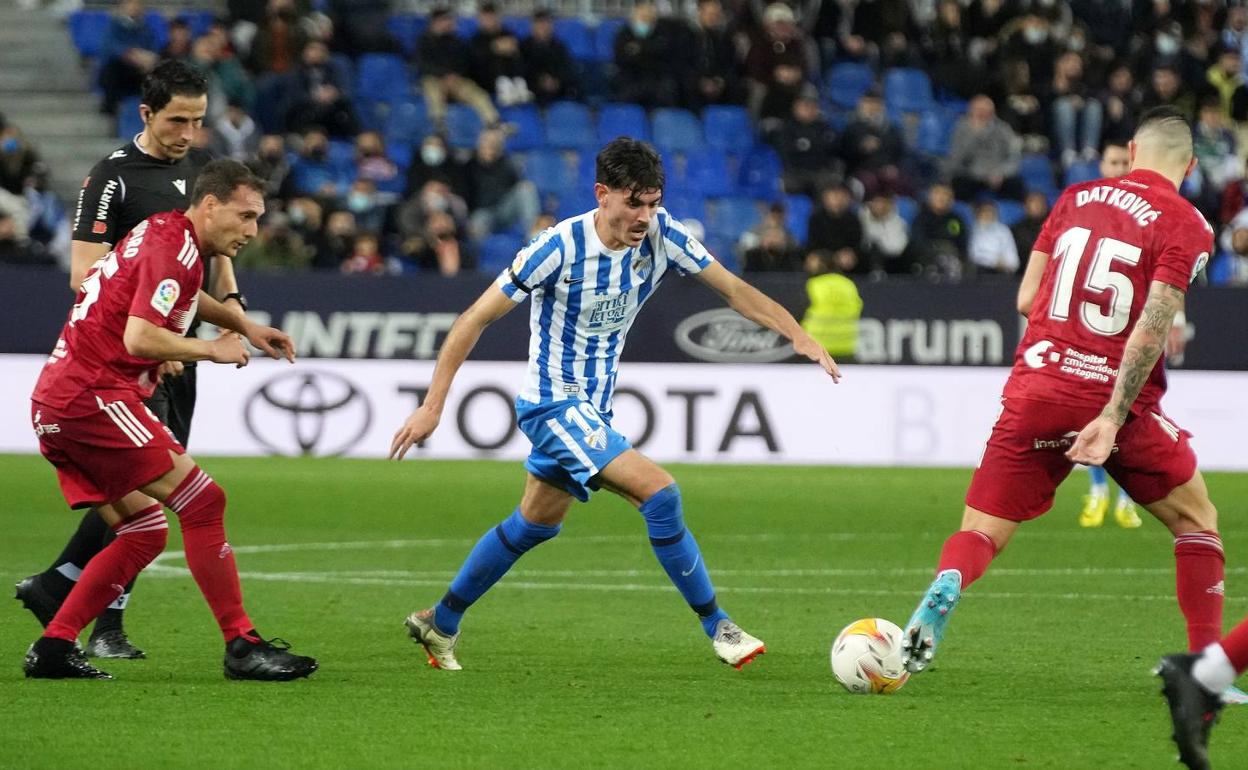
(438,646)
(734,646)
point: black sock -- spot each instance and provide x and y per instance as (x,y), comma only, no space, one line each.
(86,542)
(111,618)
(47,646)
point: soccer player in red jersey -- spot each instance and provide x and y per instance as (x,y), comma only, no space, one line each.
(1115,258)
(110,451)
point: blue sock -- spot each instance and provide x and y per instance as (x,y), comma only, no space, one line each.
(1100,480)
(678,552)
(1123,498)
(488,561)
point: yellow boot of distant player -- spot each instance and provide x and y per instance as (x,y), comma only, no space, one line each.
(1094,509)
(1125,513)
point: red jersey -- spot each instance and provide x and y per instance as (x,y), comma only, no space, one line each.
(1108,240)
(154,273)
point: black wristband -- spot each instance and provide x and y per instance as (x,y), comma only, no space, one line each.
(238,297)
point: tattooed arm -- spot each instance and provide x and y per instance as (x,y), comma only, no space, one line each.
(1144,347)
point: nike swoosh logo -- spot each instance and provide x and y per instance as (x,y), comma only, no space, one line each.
(571,280)
(692,568)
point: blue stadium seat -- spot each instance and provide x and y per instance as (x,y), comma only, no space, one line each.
(1037,174)
(907,208)
(935,129)
(797,210)
(466,27)
(604,40)
(618,119)
(497,252)
(846,82)
(731,217)
(685,205)
(706,173)
(1084,171)
(576,35)
(381,77)
(199,22)
(271,94)
(1221,269)
(527,122)
(407,121)
(160,27)
(575,202)
(1010,213)
(549,171)
(520,26)
(129,122)
(568,126)
(463,125)
(907,89)
(401,153)
(760,173)
(676,130)
(87,30)
(406,28)
(728,128)
(966,211)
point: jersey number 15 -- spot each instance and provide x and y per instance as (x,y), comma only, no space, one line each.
(1071,248)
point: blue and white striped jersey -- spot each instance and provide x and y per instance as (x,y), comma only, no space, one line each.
(585,298)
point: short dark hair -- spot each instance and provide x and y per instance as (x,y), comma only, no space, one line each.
(220,178)
(1163,114)
(629,164)
(172,78)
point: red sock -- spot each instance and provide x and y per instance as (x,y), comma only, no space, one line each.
(969,552)
(1198,571)
(1235,644)
(140,539)
(200,505)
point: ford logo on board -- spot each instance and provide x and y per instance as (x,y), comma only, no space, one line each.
(723,336)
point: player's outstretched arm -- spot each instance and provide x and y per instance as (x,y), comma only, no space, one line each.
(460,340)
(144,339)
(274,343)
(1030,284)
(763,310)
(1144,347)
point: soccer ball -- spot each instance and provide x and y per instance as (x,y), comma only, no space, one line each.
(866,657)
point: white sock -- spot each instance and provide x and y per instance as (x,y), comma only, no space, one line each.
(1213,669)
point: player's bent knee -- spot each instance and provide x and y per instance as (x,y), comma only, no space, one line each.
(198,499)
(662,512)
(147,531)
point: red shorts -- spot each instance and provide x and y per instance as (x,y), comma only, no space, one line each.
(104,451)
(1025,460)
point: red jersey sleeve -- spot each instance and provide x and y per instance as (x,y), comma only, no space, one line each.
(1044,241)
(168,275)
(1183,251)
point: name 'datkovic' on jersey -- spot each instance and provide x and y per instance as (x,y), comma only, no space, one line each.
(1133,204)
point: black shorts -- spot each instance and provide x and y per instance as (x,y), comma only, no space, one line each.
(173,403)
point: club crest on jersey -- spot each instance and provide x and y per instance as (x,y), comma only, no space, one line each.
(643,265)
(165,296)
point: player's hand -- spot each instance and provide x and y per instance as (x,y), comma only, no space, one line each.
(274,343)
(168,369)
(1177,341)
(807,346)
(418,427)
(229,349)
(1094,443)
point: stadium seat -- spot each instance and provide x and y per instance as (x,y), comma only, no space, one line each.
(685,205)
(407,121)
(907,208)
(797,210)
(846,82)
(87,30)
(527,131)
(907,89)
(604,40)
(549,171)
(935,129)
(1084,171)
(401,153)
(576,35)
(160,27)
(568,126)
(731,217)
(1221,269)
(381,77)
(199,22)
(1037,174)
(760,173)
(728,128)
(966,211)
(1010,213)
(406,28)
(463,125)
(520,26)
(676,130)
(497,252)
(622,120)
(271,95)
(466,27)
(129,122)
(575,202)
(706,173)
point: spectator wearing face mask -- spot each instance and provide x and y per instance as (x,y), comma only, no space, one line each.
(374,165)
(312,173)
(643,47)
(271,165)
(499,196)
(435,163)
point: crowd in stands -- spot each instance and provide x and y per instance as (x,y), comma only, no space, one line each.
(883,137)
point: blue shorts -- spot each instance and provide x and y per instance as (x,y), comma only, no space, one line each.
(572,443)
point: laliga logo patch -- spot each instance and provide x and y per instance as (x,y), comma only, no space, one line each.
(165,296)
(1201,261)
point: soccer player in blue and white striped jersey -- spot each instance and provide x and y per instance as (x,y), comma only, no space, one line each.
(588,276)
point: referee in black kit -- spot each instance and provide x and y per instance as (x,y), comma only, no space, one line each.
(152,173)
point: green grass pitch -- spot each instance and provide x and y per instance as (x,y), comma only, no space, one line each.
(584,657)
